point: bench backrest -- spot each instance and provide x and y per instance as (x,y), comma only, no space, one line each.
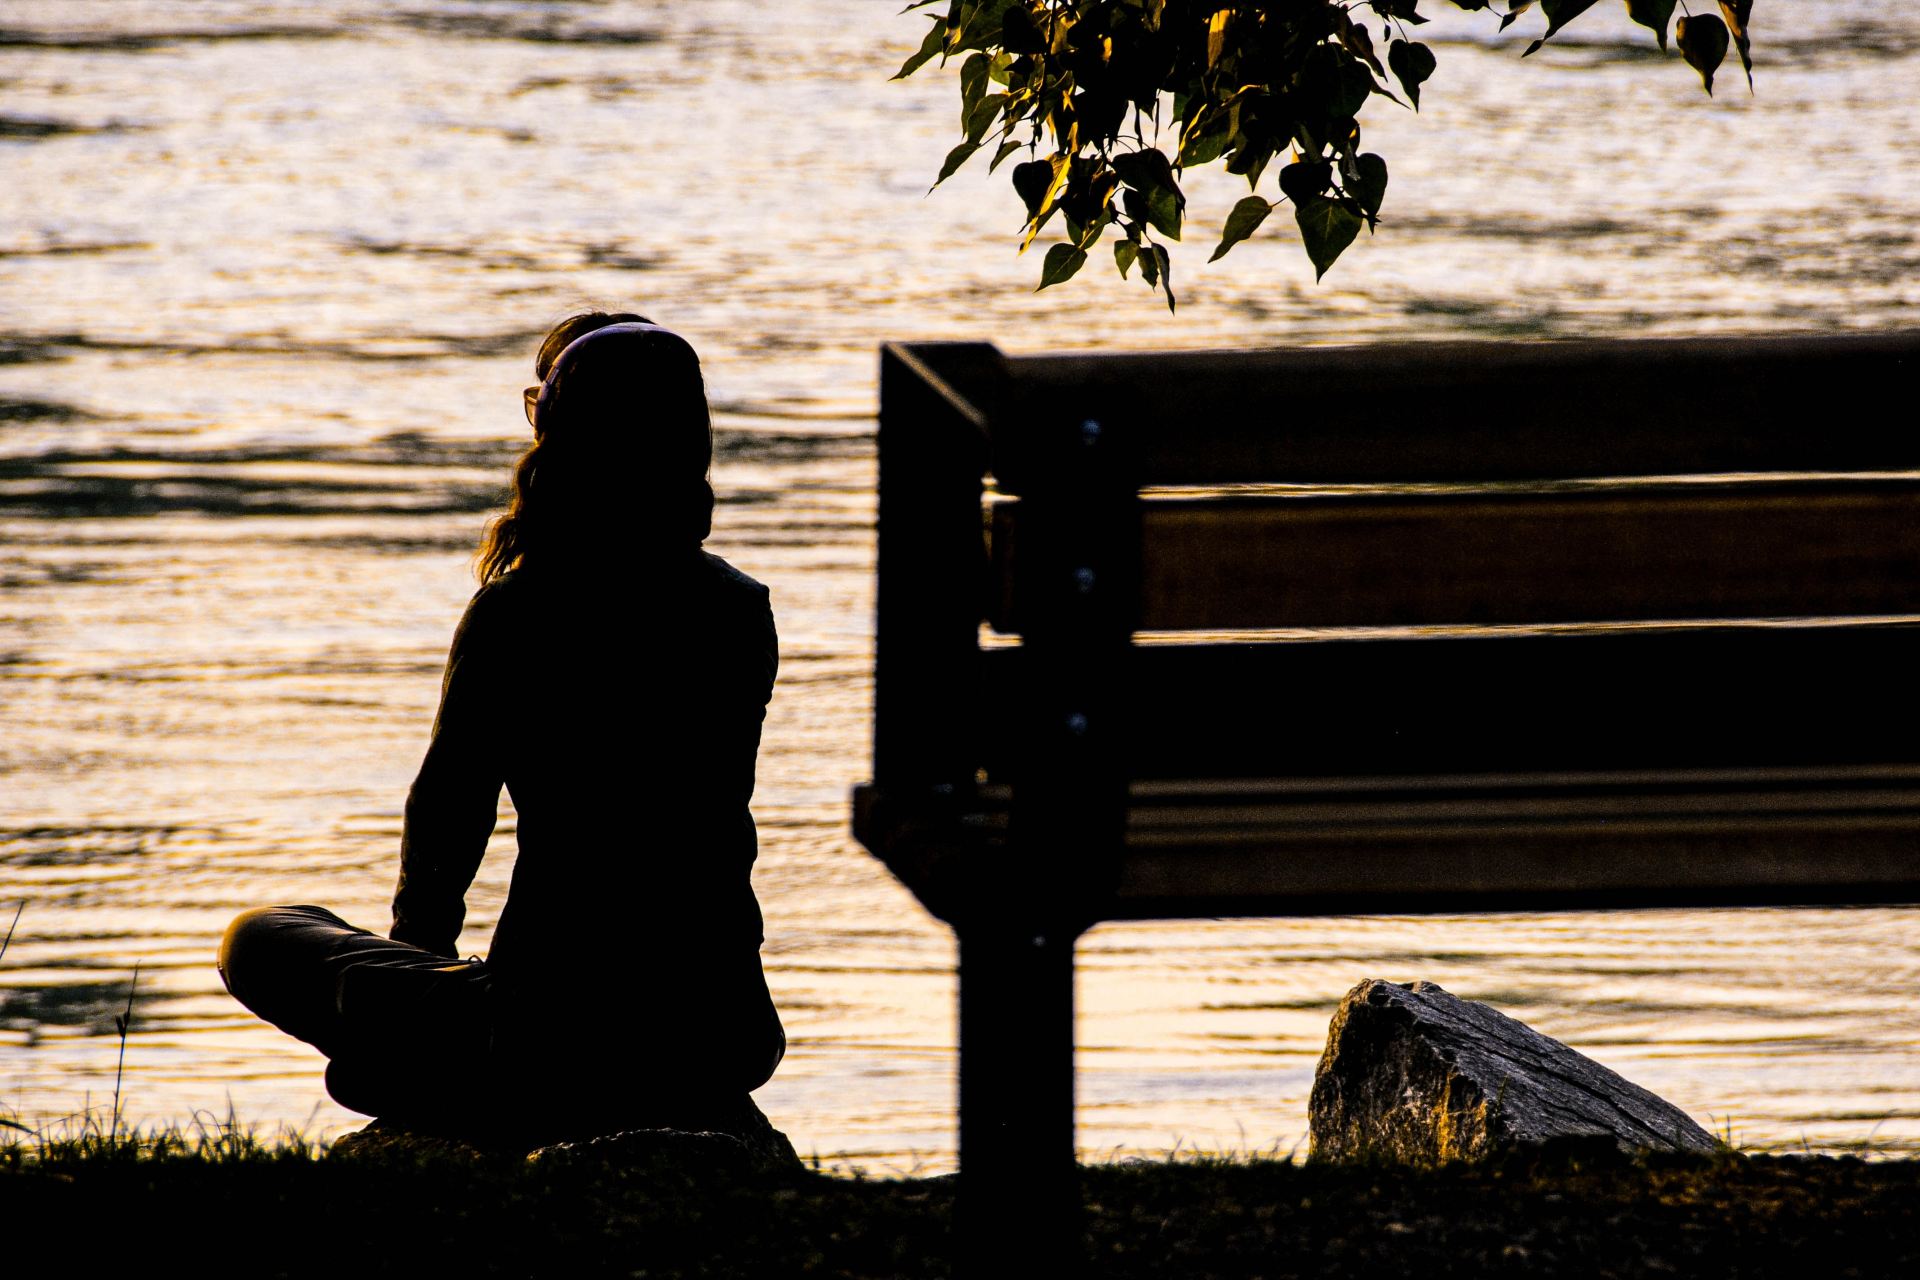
(1464,588)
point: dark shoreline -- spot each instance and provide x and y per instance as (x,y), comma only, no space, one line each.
(285,1212)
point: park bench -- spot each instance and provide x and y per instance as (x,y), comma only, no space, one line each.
(1420,628)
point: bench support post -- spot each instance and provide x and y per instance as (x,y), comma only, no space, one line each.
(1019,1206)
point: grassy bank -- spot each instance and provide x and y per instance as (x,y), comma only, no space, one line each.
(228,1205)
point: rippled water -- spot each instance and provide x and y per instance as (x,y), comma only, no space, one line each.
(270,277)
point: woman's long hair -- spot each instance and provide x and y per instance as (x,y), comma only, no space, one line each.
(622,445)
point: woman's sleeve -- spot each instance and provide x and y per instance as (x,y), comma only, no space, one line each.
(453,801)
(761,666)
(767,645)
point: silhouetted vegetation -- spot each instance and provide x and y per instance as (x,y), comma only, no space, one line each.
(1572,1212)
(1090,87)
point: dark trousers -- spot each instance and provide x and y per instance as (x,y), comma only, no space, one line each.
(443,1046)
(409,1034)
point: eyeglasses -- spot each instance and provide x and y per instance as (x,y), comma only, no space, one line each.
(532,396)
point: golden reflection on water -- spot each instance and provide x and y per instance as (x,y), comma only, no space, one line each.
(266,309)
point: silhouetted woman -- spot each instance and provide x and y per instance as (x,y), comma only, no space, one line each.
(614,677)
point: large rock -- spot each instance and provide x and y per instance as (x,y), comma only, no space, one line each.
(1413,1073)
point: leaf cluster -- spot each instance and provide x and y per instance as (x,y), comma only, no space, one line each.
(1113,100)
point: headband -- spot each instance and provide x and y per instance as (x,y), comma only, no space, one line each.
(638,343)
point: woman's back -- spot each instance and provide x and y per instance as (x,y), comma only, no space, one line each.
(630,756)
(624,723)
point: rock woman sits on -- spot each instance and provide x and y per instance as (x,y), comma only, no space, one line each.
(613,676)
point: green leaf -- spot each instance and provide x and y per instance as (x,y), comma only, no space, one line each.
(1656,14)
(1333,83)
(1405,9)
(1145,169)
(1165,265)
(1736,13)
(1251,160)
(1125,252)
(1156,268)
(1062,166)
(1033,180)
(928,50)
(1352,86)
(984,115)
(955,158)
(1241,223)
(1039,190)
(1327,227)
(1703,43)
(1559,14)
(960,14)
(973,83)
(1163,211)
(975,24)
(1368,184)
(1089,192)
(1514,9)
(1217,34)
(1204,144)
(1152,196)
(1356,38)
(1303,181)
(1018,34)
(1413,63)
(1062,261)
(1007,148)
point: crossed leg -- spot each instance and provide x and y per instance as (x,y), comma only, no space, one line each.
(408,1033)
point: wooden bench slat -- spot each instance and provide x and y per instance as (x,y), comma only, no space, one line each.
(1478,411)
(1313,820)
(1450,852)
(1421,704)
(1458,843)
(1834,548)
